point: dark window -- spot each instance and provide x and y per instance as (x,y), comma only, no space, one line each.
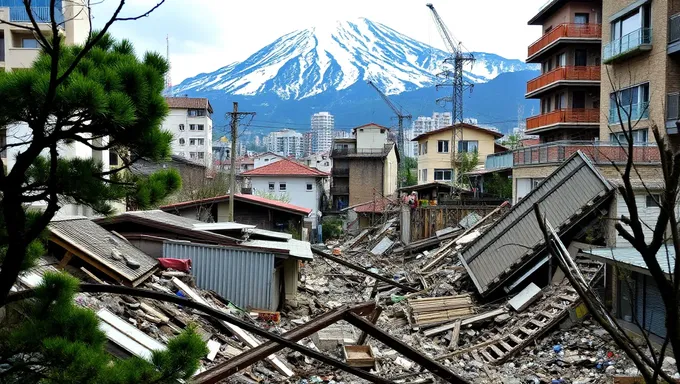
(581,18)
(282,186)
(181,127)
(579,101)
(443,146)
(113,157)
(200,127)
(310,186)
(29,43)
(271,186)
(466,146)
(443,174)
(182,141)
(192,127)
(651,201)
(580,57)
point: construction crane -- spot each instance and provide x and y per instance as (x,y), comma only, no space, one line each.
(458,57)
(400,114)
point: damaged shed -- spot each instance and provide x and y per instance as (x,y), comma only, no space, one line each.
(511,245)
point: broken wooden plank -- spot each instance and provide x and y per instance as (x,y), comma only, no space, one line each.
(455,335)
(239,332)
(465,322)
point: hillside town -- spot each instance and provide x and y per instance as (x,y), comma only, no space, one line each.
(146,238)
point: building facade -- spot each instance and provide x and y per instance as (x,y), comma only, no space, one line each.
(286,142)
(190,121)
(323,124)
(424,124)
(434,150)
(365,167)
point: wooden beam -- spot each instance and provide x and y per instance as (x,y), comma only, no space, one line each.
(464,322)
(65,260)
(373,319)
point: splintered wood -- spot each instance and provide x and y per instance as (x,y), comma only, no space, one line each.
(434,310)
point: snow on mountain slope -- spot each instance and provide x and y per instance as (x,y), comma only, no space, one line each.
(309,62)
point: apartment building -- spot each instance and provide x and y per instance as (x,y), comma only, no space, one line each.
(190,121)
(423,124)
(286,142)
(323,124)
(365,167)
(434,150)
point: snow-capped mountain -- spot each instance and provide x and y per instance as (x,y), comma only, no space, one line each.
(310,62)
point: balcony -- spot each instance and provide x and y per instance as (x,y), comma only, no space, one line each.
(40,14)
(674,34)
(599,153)
(363,152)
(582,33)
(632,112)
(340,172)
(627,46)
(672,112)
(576,117)
(577,75)
(498,160)
(340,190)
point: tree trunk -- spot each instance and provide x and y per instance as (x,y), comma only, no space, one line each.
(17,242)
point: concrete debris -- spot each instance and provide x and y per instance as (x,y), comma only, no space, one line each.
(525,297)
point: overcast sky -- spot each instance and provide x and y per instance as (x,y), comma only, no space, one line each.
(208,34)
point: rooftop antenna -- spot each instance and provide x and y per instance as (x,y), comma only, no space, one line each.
(168,77)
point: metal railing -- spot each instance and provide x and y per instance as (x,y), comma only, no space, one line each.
(634,112)
(674,28)
(340,171)
(363,151)
(569,115)
(566,30)
(40,14)
(627,43)
(673,106)
(587,73)
(498,160)
(600,152)
(340,189)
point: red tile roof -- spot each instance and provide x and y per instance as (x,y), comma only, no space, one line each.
(378,206)
(495,134)
(189,103)
(275,204)
(285,167)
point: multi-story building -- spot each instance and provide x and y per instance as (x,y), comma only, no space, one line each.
(323,124)
(434,152)
(190,121)
(569,54)
(285,142)
(307,143)
(365,167)
(340,134)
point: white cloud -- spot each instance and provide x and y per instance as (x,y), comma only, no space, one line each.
(209,34)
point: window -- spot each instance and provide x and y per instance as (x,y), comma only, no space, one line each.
(382,131)
(200,127)
(628,29)
(192,141)
(309,186)
(423,175)
(443,146)
(560,100)
(580,58)
(581,18)
(271,186)
(29,43)
(578,100)
(282,186)
(651,200)
(443,175)
(196,112)
(192,155)
(181,127)
(326,163)
(535,183)
(561,60)
(113,158)
(466,146)
(423,148)
(196,141)
(201,155)
(182,141)
(633,103)
(192,127)
(639,137)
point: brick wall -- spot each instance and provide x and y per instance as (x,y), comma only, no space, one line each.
(365,180)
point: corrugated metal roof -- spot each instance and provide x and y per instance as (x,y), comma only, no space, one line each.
(516,238)
(222,226)
(270,234)
(164,217)
(240,275)
(296,248)
(630,256)
(104,247)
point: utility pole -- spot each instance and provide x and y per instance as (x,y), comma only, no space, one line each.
(235,116)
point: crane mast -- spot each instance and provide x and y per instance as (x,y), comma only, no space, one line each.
(399,113)
(454,79)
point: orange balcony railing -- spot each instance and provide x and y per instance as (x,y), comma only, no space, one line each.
(589,73)
(566,30)
(583,115)
(599,152)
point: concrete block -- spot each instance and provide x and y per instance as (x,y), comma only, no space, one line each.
(525,298)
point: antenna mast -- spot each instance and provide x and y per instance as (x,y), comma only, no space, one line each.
(168,77)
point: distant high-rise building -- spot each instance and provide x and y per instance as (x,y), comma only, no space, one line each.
(441,120)
(424,124)
(257,141)
(322,128)
(307,141)
(285,142)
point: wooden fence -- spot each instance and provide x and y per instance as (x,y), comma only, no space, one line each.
(425,221)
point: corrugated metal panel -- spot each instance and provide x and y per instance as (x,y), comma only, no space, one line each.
(647,214)
(240,275)
(505,246)
(631,256)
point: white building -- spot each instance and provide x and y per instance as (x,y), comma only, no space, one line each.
(322,162)
(441,120)
(323,124)
(265,159)
(190,121)
(341,134)
(424,124)
(291,182)
(285,142)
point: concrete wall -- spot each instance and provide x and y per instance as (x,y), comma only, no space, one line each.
(391,173)
(366,177)
(434,160)
(179,116)
(567,12)
(296,190)
(371,137)
(523,176)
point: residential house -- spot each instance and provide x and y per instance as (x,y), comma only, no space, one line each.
(244,164)
(289,181)
(265,158)
(322,162)
(249,209)
(369,214)
(190,121)
(434,155)
(365,167)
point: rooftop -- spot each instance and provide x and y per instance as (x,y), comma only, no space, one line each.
(377,206)
(274,204)
(285,167)
(370,125)
(189,103)
(630,258)
(496,135)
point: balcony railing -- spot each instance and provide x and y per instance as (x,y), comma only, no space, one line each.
(632,112)
(586,73)
(498,160)
(673,106)
(340,171)
(598,152)
(627,44)
(575,116)
(362,151)
(674,29)
(340,190)
(566,30)
(40,14)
